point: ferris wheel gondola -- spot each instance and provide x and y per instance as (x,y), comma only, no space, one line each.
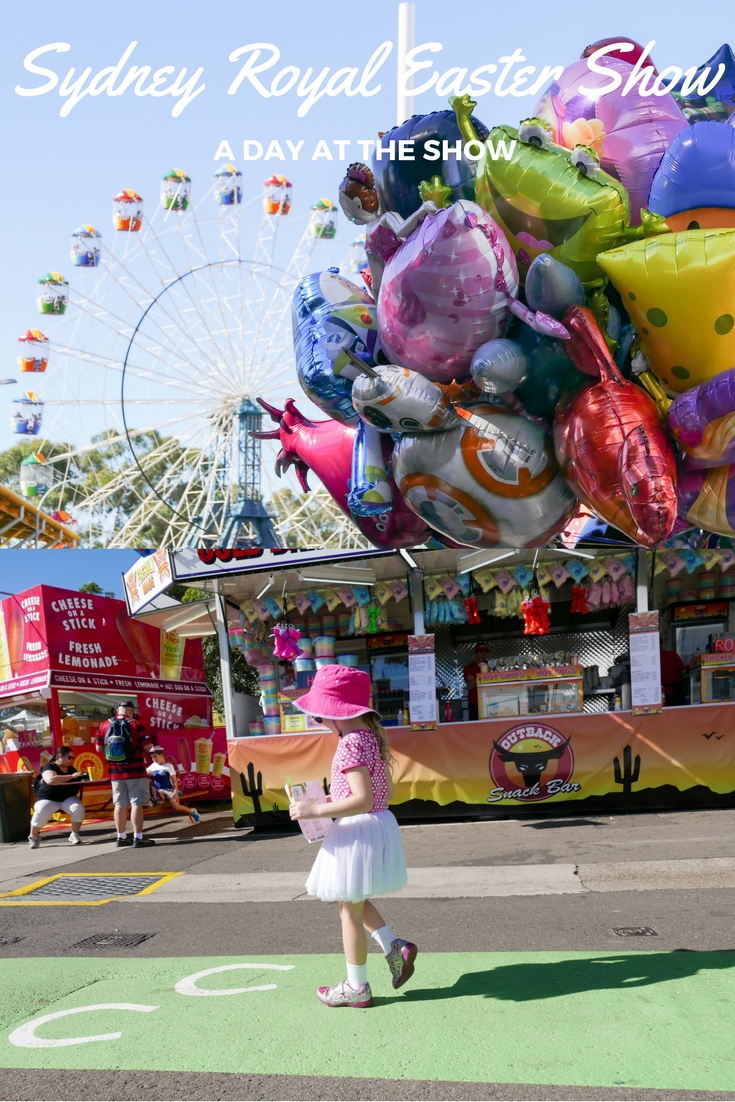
(27,415)
(85,249)
(33,351)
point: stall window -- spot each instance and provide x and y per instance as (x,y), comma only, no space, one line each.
(82,713)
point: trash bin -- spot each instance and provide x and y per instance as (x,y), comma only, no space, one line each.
(15,806)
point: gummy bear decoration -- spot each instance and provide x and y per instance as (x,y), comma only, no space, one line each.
(579,600)
(473,615)
(373,611)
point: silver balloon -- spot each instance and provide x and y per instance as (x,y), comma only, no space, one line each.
(499,366)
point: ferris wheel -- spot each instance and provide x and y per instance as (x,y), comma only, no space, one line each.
(151,356)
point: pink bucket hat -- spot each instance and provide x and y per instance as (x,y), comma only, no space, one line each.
(337,692)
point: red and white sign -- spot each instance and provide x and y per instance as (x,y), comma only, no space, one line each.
(213,562)
(85,641)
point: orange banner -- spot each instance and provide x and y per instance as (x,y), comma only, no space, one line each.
(682,757)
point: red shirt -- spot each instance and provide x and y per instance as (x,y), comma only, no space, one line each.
(671,667)
(472,670)
(126,770)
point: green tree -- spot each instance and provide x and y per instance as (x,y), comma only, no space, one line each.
(244,677)
(109,468)
(314,522)
(95,590)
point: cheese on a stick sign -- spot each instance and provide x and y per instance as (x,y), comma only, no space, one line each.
(86,636)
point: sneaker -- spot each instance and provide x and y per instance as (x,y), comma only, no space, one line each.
(126,841)
(33,842)
(74,839)
(194,815)
(141,843)
(343,995)
(400,961)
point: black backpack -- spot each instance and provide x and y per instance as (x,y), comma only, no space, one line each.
(118,744)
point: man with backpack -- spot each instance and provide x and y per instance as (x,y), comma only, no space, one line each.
(123,741)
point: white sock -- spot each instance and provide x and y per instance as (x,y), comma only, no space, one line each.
(138,837)
(385,938)
(356,975)
(122,837)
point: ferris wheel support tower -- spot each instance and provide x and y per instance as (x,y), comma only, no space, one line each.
(247,522)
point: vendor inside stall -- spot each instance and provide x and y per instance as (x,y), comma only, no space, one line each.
(673,671)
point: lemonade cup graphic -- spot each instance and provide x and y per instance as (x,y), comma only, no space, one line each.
(218,764)
(203,754)
(172,655)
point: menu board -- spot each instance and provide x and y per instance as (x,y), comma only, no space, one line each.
(645,663)
(422,682)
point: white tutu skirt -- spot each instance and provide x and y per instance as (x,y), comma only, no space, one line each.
(361,856)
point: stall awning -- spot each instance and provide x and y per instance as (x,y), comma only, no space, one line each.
(245,577)
(190,621)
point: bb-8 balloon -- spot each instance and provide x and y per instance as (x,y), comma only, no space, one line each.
(396,399)
(492,481)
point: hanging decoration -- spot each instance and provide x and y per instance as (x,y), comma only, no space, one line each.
(286,638)
(473,614)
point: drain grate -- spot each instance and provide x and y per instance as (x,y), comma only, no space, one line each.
(69,889)
(10,940)
(89,888)
(635,931)
(112,941)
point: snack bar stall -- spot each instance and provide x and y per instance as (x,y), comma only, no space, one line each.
(567,666)
(68,658)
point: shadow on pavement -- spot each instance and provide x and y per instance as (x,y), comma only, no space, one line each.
(530,981)
(551,824)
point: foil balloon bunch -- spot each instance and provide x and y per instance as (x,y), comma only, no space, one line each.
(549,325)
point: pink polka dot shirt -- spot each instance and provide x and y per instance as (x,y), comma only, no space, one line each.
(356,749)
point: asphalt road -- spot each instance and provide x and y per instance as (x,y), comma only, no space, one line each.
(689,957)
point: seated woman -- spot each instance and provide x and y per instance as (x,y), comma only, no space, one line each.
(57,789)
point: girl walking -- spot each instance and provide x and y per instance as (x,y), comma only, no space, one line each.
(363,853)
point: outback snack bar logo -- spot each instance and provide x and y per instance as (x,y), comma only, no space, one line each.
(531,761)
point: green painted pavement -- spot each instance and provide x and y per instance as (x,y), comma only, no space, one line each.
(639,1019)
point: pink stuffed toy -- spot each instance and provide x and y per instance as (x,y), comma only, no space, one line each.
(286,642)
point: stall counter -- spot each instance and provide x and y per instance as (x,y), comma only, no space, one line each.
(199,757)
(520,765)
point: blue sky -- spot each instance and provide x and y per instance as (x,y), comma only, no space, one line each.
(21,570)
(56,173)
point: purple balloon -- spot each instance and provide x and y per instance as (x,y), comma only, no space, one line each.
(702,421)
(630,133)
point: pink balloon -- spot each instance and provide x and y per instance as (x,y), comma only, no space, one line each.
(629,133)
(325,447)
(446,291)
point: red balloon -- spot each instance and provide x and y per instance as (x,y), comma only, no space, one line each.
(611,445)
